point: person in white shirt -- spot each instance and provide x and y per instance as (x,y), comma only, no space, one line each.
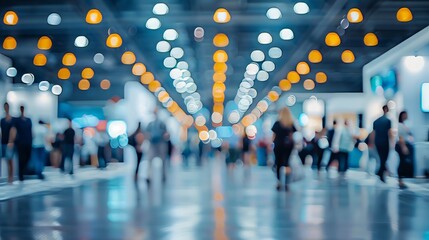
(405,150)
(40,139)
(343,144)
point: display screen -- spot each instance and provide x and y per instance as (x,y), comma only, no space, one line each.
(425,97)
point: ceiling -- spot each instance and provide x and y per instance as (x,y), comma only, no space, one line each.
(248,19)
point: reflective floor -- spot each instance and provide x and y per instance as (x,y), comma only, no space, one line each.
(213,203)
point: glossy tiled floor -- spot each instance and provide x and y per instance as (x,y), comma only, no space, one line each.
(211,203)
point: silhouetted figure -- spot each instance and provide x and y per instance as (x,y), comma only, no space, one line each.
(136,141)
(382,138)
(67,147)
(40,133)
(245,149)
(158,137)
(283,130)
(405,149)
(7,148)
(23,140)
(330,136)
(343,144)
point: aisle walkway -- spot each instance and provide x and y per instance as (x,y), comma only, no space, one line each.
(210,203)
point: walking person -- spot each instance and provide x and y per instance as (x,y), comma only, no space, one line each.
(22,136)
(283,130)
(158,137)
(6,146)
(40,133)
(382,136)
(405,149)
(67,147)
(245,149)
(330,136)
(136,141)
(343,144)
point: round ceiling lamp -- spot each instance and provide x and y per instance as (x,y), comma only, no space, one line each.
(321,77)
(303,68)
(40,60)
(105,84)
(221,16)
(274,13)
(54,19)
(370,40)
(128,58)
(265,38)
(220,56)
(10,18)
(69,59)
(285,85)
(404,15)
(153,24)
(44,43)
(87,73)
(84,84)
(64,74)
(147,78)
(138,69)
(347,56)
(154,85)
(273,96)
(286,34)
(9,43)
(332,39)
(293,77)
(301,8)
(56,90)
(170,35)
(315,56)
(221,40)
(309,84)
(355,15)
(94,16)
(220,67)
(160,9)
(114,40)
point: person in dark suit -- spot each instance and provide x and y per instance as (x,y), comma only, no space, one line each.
(330,136)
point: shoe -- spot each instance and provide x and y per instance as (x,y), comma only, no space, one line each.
(278,187)
(148,181)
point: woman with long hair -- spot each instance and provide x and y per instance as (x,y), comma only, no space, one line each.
(404,147)
(283,130)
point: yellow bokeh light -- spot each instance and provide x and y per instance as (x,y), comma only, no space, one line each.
(154,85)
(248,120)
(321,77)
(355,15)
(370,40)
(204,135)
(285,85)
(147,78)
(114,40)
(128,58)
(293,77)
(163,96)
(64,74)
(220,67)
(87,73)
(9,43)
(84,84)
(173,107)
(138,69)
(69,59)
(273,96)
(44,43)
(347,56)
(221,40)
(221,16)
(220,56)
(10,18)
(303,68)
(309,84)
(94,16)
(315,56)
(40,60)
(105,84)
(332,39)
(219,77)
(218,107)
(404,15)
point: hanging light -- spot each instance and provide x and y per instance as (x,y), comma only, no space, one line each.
(355,15)
(9,43)
(404,15)
(315,56)
(87,73)
(220,56)
(64,74)
(273,96)
(332,39)
(347,56)
(94,16)
(293,77)
(10,18)
(221,40)
(303,68)
(370,40)
(138,69)
(114,40)
(220,67)
(147,78)
(44,43)
(309,84)
(69,59)
(128,58)
(221,16)
(105,84)
(285,85)
(321,77)
(84,84)
(154,85)
(40,60)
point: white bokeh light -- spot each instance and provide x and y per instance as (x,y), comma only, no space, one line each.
(57,90)
(81,41)
(301,8)
(170,34)
(286,34)
(153,23)
(275,52)
(414,63)
(257,56)
(177,52)
(27,78)
(98,58)
(54,19)
(160,9)
(11,72)
(274,13)
(265,38)
(44,86)
(163,46)
(252,69)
